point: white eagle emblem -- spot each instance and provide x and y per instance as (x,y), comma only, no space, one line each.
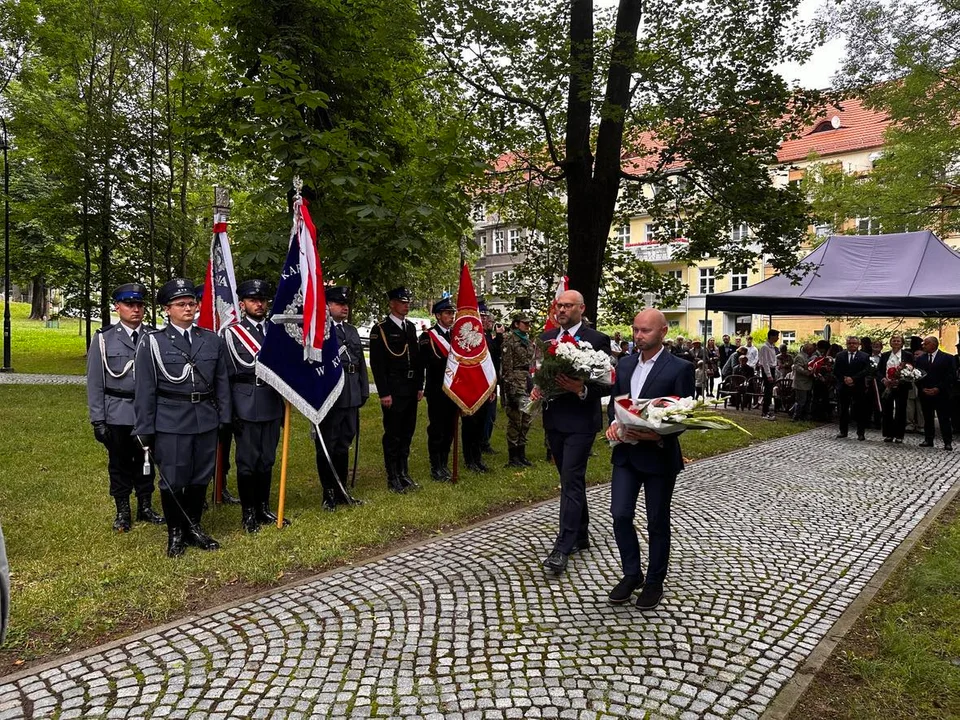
(295,308)
(469,336)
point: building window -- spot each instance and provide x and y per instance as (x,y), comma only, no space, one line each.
(496,280)
(739,233)
(649,233)
(623,235)
(822,232)
(868,226)
(513,239)
(707,280)
(482,283)
(478,214)
(482,242)
(498,243)
(672,229)
(708,330)
(678,274)
(738,280)
(673,323)
(789,336)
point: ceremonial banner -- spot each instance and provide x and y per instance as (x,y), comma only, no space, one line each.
(219,307)
(470,377)
(551,321)
(310,378)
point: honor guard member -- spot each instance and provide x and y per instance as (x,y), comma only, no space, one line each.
(494,335)
(515,384)
(257,408)
(182,399)
(441,410)
(340,426)
(398,374)
(110,399)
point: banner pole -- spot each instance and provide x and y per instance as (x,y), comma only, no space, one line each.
(456,448)
(219,476)
(283,464)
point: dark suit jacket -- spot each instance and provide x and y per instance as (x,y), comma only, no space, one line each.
(843,368)
(905,357)
(940,373)
(670,375)
(568,413)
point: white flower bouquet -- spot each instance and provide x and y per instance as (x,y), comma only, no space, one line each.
(571,357)
(669,415)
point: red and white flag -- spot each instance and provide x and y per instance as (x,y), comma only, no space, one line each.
(219,308)
(552,312)
(316,326)
(470,377)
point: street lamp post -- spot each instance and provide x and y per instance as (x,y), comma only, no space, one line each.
(6,252)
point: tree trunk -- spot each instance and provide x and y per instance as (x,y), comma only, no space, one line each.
(38,302)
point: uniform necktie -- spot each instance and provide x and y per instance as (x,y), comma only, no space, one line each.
(186,336)
(340,335)
(260,328)
(134,336)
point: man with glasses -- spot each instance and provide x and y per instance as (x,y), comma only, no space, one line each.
(110,389)
(182,400)
(398,374)
(571,422)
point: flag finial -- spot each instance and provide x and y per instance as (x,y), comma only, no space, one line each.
(297,187)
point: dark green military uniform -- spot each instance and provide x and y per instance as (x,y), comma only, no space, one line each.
(515,362)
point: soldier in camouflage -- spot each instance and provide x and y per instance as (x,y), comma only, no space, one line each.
(515,362)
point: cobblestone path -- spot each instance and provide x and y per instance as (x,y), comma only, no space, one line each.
(771,544)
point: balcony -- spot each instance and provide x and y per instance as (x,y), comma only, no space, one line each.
(655,252)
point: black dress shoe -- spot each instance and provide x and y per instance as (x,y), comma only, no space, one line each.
(840,436)
(888,439)
(581,544)
(195,536)
(861,437)
(265,516)
(175,544)
(395,484)
(624,589)
(899,441)
(948,447)
(556,561)
(926,444)
(650,597)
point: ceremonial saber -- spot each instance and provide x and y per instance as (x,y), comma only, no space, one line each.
(218,476)
(356,454)
(456,448)
(326,454)
(283,463)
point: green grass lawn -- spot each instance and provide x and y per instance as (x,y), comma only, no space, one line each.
(76,583)
(901,660)
(35,348)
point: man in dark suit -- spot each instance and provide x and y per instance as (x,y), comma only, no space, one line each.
(652,463)
(850,370)
(934,391)
(894,405)
(571,422)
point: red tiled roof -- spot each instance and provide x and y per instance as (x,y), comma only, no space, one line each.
(860,129)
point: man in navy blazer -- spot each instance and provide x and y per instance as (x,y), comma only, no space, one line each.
(851,369)
(571,422)
(652,463)
(934,391)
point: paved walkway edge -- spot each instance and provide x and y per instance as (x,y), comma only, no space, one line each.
(783,704)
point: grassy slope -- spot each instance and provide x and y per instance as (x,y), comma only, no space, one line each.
(38,349)
(76,583)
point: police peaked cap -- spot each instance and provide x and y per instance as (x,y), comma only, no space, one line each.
(442,305)
(401,294)
(173,289)
(482,307)
(130,293)
(201,287)
(337,294)
(253,289)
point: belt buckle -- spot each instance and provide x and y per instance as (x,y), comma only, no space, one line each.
(351,368)
(195,397)
(409,374)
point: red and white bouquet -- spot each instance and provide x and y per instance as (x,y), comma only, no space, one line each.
(571,357)
(903,373)
(669,415)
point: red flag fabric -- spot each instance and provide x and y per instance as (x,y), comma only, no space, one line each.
(470,376)
(219,307)
(552,312)
(316,325)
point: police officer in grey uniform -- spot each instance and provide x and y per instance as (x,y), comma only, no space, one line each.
(182,399)
(110,400)
(257,408)
(340,426)
(398,374)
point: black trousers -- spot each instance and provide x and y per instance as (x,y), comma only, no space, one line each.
(338,429)
(571,452)
(657,495)
(855,402)
(768,384)
(939,404)
(894,421)
(474,434)
(125,464)
(399,424)
(441,416)
(255,456)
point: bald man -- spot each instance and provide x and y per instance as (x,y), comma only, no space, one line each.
(647,461)
(933,390)
(571,422)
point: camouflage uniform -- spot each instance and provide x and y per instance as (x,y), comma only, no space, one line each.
(518,354)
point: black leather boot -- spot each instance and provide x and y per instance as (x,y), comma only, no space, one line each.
(513,458)
(145,511)
(122,522)
(265,516)
(394,483)
(343,496)
(522,456)
(193,533)
(226,498)
(329,501)
(175,544)
(435,472)
(248,520)
(405,478)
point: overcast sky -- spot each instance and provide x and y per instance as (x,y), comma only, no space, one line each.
(818,72)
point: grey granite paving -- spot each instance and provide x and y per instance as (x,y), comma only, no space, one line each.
(771,544)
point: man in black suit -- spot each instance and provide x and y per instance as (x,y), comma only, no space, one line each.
(934,391)
(653,462)
(850,370)
(571,422)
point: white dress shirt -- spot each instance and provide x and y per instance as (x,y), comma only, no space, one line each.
(640,374)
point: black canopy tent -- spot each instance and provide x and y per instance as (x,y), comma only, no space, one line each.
(904,274)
